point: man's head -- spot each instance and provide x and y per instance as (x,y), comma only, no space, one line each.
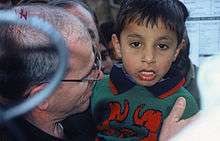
(75,7)
(71,97)
(149,38)
(83,12)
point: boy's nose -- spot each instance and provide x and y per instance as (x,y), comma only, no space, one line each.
(148,56)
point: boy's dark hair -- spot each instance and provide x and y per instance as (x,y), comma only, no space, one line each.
(183,62)
(172,13)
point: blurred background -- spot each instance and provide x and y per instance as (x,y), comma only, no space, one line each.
(106,10)
(203,25)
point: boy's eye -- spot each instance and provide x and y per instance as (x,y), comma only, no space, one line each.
(135,44)
(163,46)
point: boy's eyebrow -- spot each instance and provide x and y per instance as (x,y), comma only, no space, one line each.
(135,35)
(165,37)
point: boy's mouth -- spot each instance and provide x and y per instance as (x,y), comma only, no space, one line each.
(147,75)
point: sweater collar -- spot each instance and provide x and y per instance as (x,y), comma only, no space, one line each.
(121,82)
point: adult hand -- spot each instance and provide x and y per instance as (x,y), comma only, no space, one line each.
(172,124)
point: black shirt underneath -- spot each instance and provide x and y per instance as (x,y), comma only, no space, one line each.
(22,130)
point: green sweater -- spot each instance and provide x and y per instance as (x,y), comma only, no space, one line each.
(135,114)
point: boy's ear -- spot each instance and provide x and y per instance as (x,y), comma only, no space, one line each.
(116,45)
(182,45)
(35,90)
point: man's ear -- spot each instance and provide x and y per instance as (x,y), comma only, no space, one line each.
(35,90)
(182,45)
(116,45)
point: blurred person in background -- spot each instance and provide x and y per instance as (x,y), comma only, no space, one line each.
(107,61)
(107,29)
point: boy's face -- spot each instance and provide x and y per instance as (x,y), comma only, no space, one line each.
(147,52)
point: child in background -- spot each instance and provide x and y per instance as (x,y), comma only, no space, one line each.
(132,102)
(107,29)
(107,62)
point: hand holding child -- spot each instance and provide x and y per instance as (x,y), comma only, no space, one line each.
(172,124)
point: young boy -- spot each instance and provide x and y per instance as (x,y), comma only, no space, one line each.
(133,101)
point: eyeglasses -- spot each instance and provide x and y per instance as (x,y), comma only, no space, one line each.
(95,71)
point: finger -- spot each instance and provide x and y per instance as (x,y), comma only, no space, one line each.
(178,109)
(187,121)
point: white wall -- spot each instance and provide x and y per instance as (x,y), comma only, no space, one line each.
(203,28)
